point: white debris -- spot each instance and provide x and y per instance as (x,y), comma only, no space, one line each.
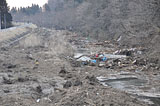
(119,38)
(84,58)
(78,55)
(112,56)
(38,100)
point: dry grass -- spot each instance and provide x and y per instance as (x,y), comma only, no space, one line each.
(31,41)
(59,44)
(12,32)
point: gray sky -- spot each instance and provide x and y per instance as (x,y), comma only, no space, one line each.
(25,3)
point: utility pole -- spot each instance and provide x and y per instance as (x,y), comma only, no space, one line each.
(5,22)
(0,22)
(74,4)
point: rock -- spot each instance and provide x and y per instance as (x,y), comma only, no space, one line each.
(101,64)
(111,105)
(116,60)
(20,79)
(6,91)
(63,71)
(92,80)
(9,65)
(57,96)
(4,49)
(48,91)
(53,83)
(30,57)
(68,84)
(7,80)
(23,79)
(9,71)
(126,52)
(77,83)
(153,60)
(76,63)
(68,76)
(39,89)
(140,62)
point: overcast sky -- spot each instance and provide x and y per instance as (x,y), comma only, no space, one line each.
(25,3)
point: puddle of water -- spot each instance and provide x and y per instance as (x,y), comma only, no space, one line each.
(133,86)
(129,84)
(156,101)
(125,83)
(153,101)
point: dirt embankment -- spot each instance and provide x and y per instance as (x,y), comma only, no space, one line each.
(39,70)
(14,31)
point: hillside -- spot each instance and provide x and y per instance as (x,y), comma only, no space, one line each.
(131,23)
(102,19)
(82,53)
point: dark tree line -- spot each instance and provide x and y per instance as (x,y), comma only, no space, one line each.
(5,16)
(30,10)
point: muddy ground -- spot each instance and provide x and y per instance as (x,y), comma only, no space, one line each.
(39,70)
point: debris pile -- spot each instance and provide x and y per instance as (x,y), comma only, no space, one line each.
(101,60)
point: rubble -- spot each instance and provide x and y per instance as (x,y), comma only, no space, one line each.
(84,58)
(9,65)
(111,56)
(92,80)
(30,57)
(101,64)
(96,59)
(77,82)
(23,79)
(6,91)
(142,62)
(7,81)
(45,74)
(63,70)
(68,84)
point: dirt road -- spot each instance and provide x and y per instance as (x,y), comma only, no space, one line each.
(39,70)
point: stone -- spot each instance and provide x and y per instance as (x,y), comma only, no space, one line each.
(68,84)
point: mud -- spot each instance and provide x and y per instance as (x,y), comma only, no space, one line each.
(46,73)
